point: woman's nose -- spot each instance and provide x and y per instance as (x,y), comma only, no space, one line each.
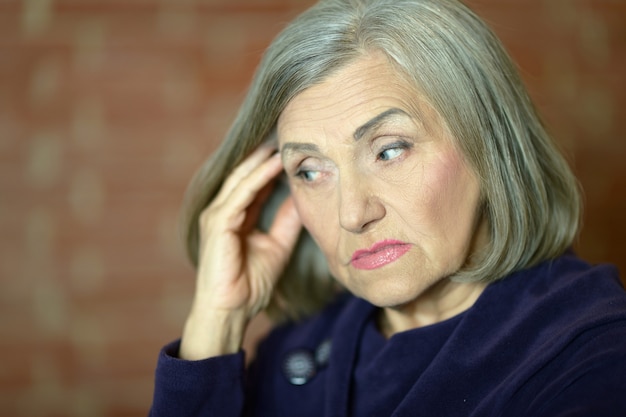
(359,205)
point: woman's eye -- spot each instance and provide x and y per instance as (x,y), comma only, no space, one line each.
(307,175)
(392,152)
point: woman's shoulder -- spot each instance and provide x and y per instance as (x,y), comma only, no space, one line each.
(570,329)
(559,307)
(565,284)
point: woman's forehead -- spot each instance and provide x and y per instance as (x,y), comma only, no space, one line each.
(350,98)
(341,120)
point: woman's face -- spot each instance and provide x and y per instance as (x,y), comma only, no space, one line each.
(378,183)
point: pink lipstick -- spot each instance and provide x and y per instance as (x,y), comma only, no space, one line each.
(380,254)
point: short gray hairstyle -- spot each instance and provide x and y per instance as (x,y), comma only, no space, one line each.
(531,199)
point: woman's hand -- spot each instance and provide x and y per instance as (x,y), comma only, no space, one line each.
(238,264)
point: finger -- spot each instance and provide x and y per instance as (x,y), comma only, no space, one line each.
(244,169)
(256,208)
(247,191)
(287,225)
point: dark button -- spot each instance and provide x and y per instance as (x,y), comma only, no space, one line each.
(299,366)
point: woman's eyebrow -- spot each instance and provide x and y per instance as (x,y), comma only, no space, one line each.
(376,121)
(290,147)
(373,123)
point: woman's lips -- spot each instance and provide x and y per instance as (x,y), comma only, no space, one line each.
(380,254)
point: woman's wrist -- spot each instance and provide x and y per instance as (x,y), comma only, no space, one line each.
(211,333)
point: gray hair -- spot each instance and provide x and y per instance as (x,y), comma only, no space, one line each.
(531,199)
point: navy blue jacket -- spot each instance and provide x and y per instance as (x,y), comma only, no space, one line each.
(548,341)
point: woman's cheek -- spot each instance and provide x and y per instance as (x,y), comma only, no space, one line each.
(306,211)
(316,216)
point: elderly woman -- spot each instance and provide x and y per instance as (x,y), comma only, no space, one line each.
(417,247)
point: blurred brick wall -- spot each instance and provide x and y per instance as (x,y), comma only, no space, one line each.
(108,106)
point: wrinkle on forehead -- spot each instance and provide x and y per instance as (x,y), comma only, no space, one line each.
(365,83)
